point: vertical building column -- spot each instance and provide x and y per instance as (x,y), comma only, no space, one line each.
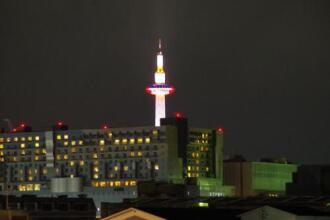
(49,141)
(160,111)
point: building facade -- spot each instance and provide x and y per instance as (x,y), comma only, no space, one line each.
(253,178)
(106,164)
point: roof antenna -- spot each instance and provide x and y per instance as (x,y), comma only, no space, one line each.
(159,44)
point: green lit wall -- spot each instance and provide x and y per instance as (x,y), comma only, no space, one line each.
(175,164)
(271,176)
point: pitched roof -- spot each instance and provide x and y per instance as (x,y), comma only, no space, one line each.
(132,213)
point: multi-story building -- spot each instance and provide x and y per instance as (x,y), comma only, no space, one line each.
(106,164)
(253,178)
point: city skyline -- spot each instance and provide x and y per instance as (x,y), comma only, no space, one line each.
(260,72)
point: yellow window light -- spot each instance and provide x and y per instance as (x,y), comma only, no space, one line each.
(22,145)
(132,140)
(65,157)
(71,163)
(156,167)
(37,138)
(66,137)
(117,141)
(1,146)
(58,137)
(82,163)
(73,143)
(81,142)
(22,138)
(37,144)
(125,168)
(101,142)
(116,168)
(66,143)
(15,139)
(140,154)
(30,138)
(124,140)
(140,140)
(147,140)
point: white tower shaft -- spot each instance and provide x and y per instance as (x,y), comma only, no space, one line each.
(160,111)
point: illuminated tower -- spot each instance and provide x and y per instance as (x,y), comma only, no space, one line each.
(160,89)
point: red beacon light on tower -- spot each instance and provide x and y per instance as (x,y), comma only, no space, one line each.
(22,125)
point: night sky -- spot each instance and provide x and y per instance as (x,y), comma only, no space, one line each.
(259,69)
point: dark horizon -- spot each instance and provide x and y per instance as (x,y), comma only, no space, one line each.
(261,71)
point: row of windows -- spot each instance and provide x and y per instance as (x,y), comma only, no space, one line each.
(19,139)
(113,183)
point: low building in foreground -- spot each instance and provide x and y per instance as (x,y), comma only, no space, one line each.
(253,178)
(310,180)
(107,164)
(30,207)
(225,208)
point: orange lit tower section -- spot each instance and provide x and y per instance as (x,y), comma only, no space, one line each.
(160,89)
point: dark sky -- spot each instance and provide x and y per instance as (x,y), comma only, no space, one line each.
(259,68)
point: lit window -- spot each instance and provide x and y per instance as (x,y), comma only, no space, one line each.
(58,137)
(15,139)
(1,146)
(22,145)
(36,157)
(116,168)
(44,171)
(65,143)
(36,187)
(37,144)
(66,137)
(126,183)
(73,150)
(1,139)
(117,183)
(132,140)
(96,169)
(65,157)
(101,142)
(95,155)
(189,175)
(140,140)
(23,152)
(73,143)
(8,139)
(22,138)
(140,154)
(102,184)
(207,169)
(37,138)
(125,168)
(82,163)
(189,168)
(117,141)
(156,167)
(133,183)
(1,153)
(110,135)
(124,141)
(72,163)
(14,158)
(147,140)
(132,154)
(30,178)
(81,142)
(111,183)
(155,132)
(58,156)
(96,176)
(71,175)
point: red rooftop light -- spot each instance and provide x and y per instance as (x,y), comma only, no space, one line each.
(60,123)
(219,130)
(178,114)
(14,130)
(105,126)
(22,125)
